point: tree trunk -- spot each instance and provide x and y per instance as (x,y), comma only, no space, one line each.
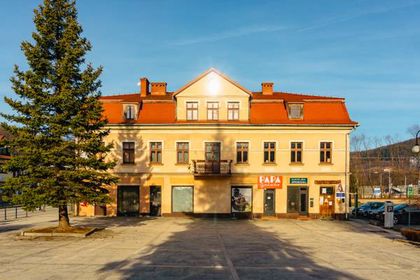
(63,218)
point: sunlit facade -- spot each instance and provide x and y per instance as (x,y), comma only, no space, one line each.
(214,147)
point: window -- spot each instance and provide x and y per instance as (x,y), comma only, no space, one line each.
(128,152)
(296,152)
(269,152)
(233,111)
(325,152)
(295,111)
(156,152)
(129,112)
(182,150)
(213,110)
(192,111)
(182,199)
(242,152)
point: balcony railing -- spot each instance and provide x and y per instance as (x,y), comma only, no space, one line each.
(212,168)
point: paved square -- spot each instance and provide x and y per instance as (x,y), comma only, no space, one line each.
(181,248)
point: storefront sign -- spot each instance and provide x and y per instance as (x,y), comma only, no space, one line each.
(299,181)
(327,182)
(270,182)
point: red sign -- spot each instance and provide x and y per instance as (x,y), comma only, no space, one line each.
(270,182)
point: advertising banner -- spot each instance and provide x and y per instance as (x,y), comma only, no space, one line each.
(270,182)
(241,199)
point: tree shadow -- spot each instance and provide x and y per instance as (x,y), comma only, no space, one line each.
(221,249)
(108,222)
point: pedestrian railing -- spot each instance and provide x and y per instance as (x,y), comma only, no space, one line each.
(12,212)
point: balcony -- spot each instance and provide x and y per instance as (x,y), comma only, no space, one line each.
(202,168)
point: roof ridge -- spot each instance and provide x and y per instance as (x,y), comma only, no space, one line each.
(300,94)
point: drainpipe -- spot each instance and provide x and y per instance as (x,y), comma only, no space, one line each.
(347,189)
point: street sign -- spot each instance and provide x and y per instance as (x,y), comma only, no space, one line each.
(410,191)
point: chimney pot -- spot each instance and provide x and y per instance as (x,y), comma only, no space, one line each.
(267,88)
(144,87)
(158,88)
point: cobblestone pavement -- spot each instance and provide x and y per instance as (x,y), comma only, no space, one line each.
(182,248)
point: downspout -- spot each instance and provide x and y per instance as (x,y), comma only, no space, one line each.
(347,189)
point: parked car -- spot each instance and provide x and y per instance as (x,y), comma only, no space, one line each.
(397,208)
(373,213)
(402,216)
(365,208)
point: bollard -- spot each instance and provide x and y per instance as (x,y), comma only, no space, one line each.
(16,212)
(5,213)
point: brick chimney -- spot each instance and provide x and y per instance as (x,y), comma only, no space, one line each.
(144,87)
(158,88)
(267,88)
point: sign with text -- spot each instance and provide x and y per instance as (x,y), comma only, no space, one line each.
(298,181)
(327,182)
(270,182)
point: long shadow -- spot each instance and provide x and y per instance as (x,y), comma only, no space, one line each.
(107,222)
(7,228)
(222,249)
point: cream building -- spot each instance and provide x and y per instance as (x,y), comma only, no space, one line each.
(214,147)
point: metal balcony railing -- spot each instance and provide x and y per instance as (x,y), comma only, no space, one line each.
(212,168)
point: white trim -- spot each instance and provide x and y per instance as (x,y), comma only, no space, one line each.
(332,150)
(239,109)
(290,150)
(198,109)
(122,151)
(276,150)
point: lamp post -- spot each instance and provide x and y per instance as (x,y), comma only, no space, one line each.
(416,151)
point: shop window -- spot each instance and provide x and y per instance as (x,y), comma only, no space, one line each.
(296,152)
(192,111)
(325,152)
(213,111)
(156,152)
(182,199)
(269,152)
(182,152)
(128,152)
(241,199)
(242,152)
(233,111)
(295,111)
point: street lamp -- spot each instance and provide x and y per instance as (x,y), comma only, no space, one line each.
(416,147)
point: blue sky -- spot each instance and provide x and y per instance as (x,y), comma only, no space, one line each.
(365,51)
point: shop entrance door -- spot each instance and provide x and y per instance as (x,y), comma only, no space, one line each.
(155,200)
(269,202)
(303,203)
(326,201)
(128,201)
(297,200)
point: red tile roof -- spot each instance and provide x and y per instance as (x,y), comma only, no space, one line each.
(264,109)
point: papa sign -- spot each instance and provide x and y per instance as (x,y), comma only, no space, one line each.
(274,182)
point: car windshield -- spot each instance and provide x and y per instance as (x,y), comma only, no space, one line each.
(381,208)
(400,206)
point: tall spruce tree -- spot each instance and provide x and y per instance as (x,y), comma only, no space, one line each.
(57,128)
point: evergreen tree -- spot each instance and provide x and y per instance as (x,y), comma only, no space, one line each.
(57,128)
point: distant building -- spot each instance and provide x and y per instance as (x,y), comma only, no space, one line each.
(215,147)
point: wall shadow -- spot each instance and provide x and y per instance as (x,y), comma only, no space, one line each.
(107,222)
(221,249)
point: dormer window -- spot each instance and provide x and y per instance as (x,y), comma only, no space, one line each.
(130,112)
(295,111)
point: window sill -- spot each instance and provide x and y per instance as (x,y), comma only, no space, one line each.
(155,163)
(296,164)
(241,163)
(326,163)
(269,163)
(181,163)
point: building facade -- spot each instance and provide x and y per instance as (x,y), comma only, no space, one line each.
(214,147)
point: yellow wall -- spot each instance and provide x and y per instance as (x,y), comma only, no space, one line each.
(202,92)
